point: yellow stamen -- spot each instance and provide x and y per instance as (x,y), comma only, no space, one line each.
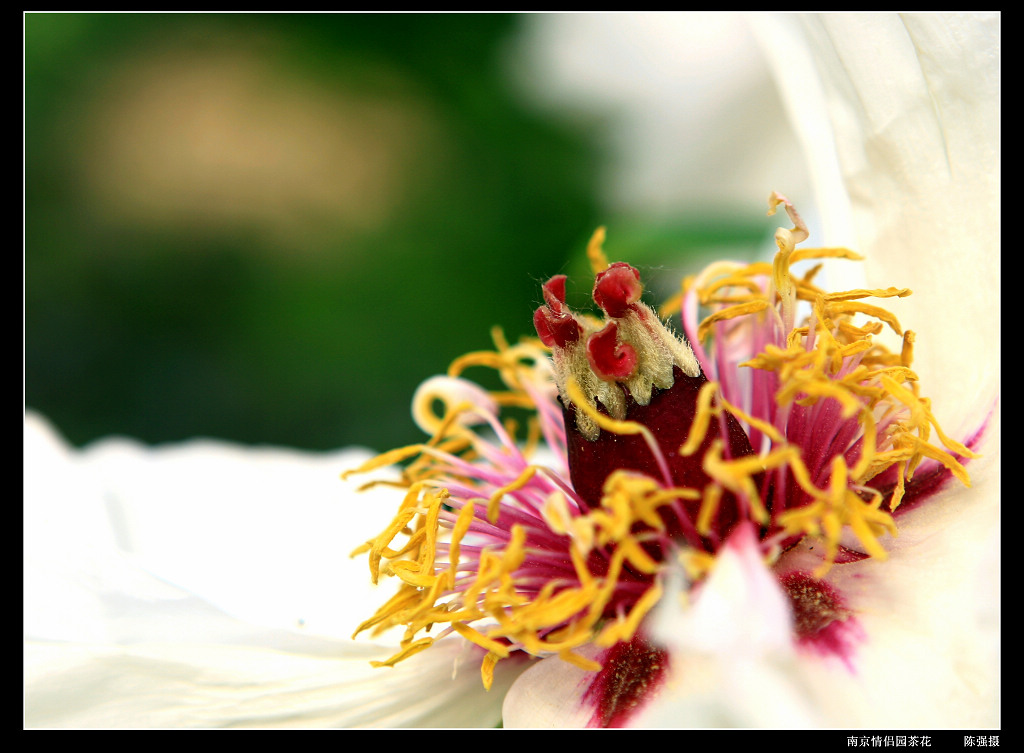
(732,312)
(595,252)
(407,651)
(701,420)
(907,354)
(495,502)
(849,295)
(497,649)
(385,459)
(762,426)
(487,669)
(856,307)
(580,661)
(624,630)
(462,524)
(802,254)
(834,508)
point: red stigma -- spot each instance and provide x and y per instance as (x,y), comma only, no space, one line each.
(609,358)
(617,288)
(555,323)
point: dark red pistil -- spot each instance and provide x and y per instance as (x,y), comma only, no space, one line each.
(669,416)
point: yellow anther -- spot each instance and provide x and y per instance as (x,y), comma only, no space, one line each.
(671,306)
(614,425)
(867,451)
(856,307)
(802,254)
(487,669)
(595,252)
(385,459)
(701,419)
(708,509)
(408,650)
(850,295)
(498,649)
(495,502)
(762,426)
(907,353)
(462,524)
(579,661)
(625,629)
(731,312)
(799,232)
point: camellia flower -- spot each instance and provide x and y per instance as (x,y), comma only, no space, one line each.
(683,541)
(789,442)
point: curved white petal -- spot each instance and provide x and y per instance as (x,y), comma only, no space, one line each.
(551,694)
(899,117)
(928,654)
(911,105)
(265,534)
(206,584)
(739,611)
(183,664)
(683,101)
(915,127)
(732,661)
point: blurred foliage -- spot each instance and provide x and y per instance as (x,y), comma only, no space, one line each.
(299,307)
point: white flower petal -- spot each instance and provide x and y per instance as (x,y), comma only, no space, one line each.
(154,595)
(931,618)
(683,100)
(264,534)
(911,106)
(210,585)
(255,678)
(731,653)
(739,611)
(551,694)
(912,112)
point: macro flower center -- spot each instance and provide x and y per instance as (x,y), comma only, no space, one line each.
(630,391)
(642,451)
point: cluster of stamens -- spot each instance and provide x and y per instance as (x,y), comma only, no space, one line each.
(660,447)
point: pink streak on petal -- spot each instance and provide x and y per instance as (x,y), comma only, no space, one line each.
(631,675)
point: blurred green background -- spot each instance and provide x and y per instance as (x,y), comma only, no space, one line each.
(271,228)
